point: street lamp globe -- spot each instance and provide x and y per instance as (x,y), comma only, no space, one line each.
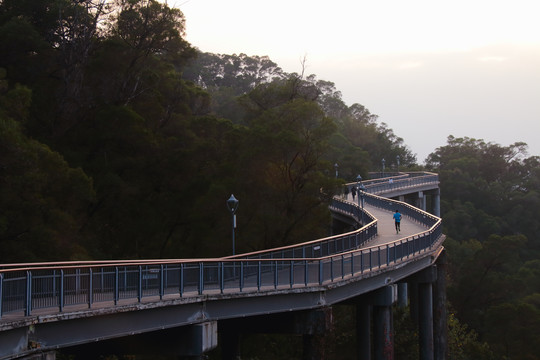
(232,204)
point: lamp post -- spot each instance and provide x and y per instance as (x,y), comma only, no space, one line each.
(360,188)
(383,162)
(232,204)
(397,162)
(336,166)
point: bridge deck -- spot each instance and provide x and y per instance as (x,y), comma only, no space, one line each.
(386,229)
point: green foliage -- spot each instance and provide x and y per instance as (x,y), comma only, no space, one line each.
(489,202)
(42,200)
(463,343)
(514,328)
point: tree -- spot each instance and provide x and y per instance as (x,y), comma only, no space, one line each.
(42,198)
(488,193)
(289,139)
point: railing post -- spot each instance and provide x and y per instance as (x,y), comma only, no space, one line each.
(275,274)
(90,287)
(61,302)
(181,285)
(125,278)
(116,285)
(222,277)
(28,295)
(259,276)
(102,284)
(77,281)
(201,278)
(161,281)
(342,266)
(139,284)
(306,272)
(241,283)
(331,268)
(1,287)
(165,277)
(320,272)
(291,273)
(54,281)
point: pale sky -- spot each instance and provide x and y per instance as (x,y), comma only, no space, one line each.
(428,69)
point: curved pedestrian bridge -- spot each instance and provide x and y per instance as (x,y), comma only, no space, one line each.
(48,306)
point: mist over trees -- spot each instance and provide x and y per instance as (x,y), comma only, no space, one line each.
(120,140)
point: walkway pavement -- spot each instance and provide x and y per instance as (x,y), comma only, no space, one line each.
(386,228)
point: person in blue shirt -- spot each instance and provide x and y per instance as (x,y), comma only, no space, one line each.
(397,219)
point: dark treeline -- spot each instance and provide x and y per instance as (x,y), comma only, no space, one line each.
(119,139)
(490,201)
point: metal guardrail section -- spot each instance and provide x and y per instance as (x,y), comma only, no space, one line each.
(52,288)
(397,182)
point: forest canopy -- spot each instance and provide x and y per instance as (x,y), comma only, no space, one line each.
(122,140)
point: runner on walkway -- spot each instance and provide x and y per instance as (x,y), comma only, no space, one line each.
(397,218)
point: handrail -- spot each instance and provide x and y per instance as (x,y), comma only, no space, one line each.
(29,287)
(402,181)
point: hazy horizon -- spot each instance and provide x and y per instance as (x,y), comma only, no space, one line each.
(428,70)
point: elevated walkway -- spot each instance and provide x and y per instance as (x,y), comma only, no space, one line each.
(386,231)
(45,306)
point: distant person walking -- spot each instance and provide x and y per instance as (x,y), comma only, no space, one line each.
(397,219)
(353,192)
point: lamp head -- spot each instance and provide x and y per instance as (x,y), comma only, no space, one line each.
(232,204)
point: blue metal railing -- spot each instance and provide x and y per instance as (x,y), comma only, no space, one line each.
(25,289)
(397,182)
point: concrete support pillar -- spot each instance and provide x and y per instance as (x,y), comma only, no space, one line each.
(413,302)
(437,203)
(425,280)
(425,330)
(379,304)
(384,333)
(383,327)
(402,294)
(363,331)
(314,326)
(421,200)
(440,332)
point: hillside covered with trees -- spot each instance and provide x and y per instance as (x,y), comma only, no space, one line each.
(120,140)
(490,195)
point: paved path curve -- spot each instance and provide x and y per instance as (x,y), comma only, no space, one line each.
(386,228)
